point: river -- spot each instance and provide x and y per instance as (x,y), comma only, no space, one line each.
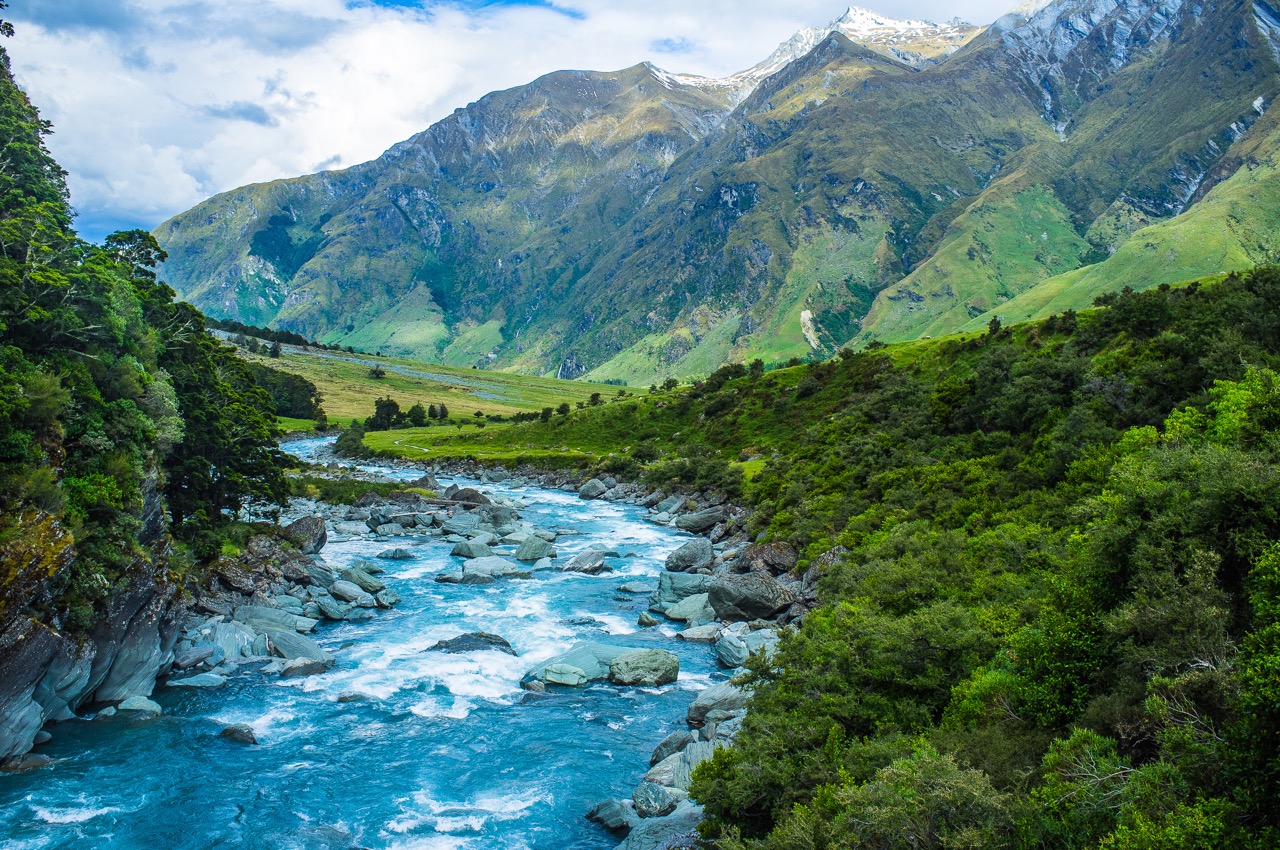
(394,747)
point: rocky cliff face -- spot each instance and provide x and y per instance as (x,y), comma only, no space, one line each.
(642,224)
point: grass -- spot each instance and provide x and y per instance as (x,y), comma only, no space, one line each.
(294,426)
(349,389)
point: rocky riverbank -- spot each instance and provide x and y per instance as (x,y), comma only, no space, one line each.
(721,587)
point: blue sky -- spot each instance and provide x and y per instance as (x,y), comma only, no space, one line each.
(158,104)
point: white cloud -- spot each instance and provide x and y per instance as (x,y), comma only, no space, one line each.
(158,104)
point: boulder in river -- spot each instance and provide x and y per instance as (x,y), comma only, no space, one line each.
(670,745)
(397,554)
(240,733)
(332,609)
(200,680)
(288,645)
(694,555)
(142,705)
(700,521)
(590,562)
(748,597)
(535,549)
(693,610)
(303,667)
(591,659)
(475,642)
(592,489)
(308,534)
(363,580)
(653,801)
(387,598)
(646,620)
(491,568)
(346,591)
(674,587)
(676,830)
(722,697)
(471,549)
(264,619)
(471,496)
(648,667)
(615,815)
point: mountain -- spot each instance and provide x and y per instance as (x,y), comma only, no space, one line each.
(873,179)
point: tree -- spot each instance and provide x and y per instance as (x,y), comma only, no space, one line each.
(433,412)
(386,415)
(595,400)
(479,414)
(546,414)
(444,411)
(563,409)
(275,350)
(377,372)
(417,416)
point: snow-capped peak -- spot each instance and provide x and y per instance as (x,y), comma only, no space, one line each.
(913,43)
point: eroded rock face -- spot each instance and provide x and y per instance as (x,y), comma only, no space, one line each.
(747,597)
(308,534)
(694,555)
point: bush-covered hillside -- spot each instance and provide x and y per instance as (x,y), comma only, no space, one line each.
(1050,577)
(115,403)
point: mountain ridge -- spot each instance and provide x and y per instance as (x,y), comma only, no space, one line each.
(632,225)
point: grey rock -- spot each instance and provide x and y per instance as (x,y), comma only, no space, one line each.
(461,524)
(42,737)
(200,680)
(709,633)
(288,645)
(471,549)
(387,598)
(748,597)
(591,660)
(723,697)
(363,580)
(677,829)
(332,609)
(303,667)
(264,619)
(653,801)
(735,645)
(646,620)
(193,656)
(308,534)
(692,610)
(702,520)
(390,529)
(635,587)
(234,639)
(674,587)
(694,555)
(240,733)
(535,548)
(615,815)
(492,567)
(672,744)
(141,705)
(590,562)
(471,496)
(475,642)
(647,667)
(346,591)
(592,489)
(397,554)
(670,504)
(321,574)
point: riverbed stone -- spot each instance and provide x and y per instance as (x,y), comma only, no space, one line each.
(692,609)
(723,697)
(674,587)
(332,609)
(592,489)
(200,680)
(635,587)
(615,815)
(653,801)
(738,642)
(709,633)
(346,591)
(592,659)
(142,705)
(308,534)
(700,521)
(669,504)
(264,619)
(590,562)
(491,567)
(387,598)
(288,645)
(474,642)
(397,554)
(670,745)
(300,667)
(563,674)
(535,549)
(461,524)
(471,549)
(240,733)
(647,667)
(363,580)
(471,496)
(646,620)
(193,656)
(747,597)
(694,555)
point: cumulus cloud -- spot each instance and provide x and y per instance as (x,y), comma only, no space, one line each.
(158,104)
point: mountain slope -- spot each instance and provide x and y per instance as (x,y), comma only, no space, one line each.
(872,180)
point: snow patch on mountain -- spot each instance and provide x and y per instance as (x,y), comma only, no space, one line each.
(913,43)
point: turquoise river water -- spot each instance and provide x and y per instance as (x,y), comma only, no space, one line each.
(395,747)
